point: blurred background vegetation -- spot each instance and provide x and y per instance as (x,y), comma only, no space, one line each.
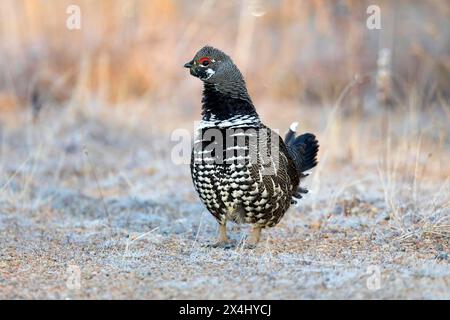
(315,61)
(290,51)
(87,117)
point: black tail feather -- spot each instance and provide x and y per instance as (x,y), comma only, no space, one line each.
(303,150)
(310,146)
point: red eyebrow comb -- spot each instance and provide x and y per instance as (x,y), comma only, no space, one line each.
(201,60)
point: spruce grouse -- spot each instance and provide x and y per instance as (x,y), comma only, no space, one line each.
(242,170)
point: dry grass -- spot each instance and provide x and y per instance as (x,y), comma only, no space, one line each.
(88,179)
(128,50)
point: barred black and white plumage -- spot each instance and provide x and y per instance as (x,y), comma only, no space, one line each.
(242,170)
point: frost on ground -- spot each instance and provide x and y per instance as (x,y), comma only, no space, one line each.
(91,206)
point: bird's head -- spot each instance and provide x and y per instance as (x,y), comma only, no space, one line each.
(212,66)
(218,73)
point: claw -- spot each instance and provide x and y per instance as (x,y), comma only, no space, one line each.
(222,245)
(223,241)
(249,246)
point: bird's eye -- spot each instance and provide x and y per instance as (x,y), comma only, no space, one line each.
(204,61)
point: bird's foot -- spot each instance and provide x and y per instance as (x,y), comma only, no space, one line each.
(223,241)
(249,246)
(253,240)
(228,244)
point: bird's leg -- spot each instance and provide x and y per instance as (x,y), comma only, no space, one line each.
(223,238)
(254,237)
(223,241)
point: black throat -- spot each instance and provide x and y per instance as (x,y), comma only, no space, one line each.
(222,106)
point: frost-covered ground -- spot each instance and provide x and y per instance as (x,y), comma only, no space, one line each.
(91,206)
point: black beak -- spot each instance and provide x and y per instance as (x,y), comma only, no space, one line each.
(188,64)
